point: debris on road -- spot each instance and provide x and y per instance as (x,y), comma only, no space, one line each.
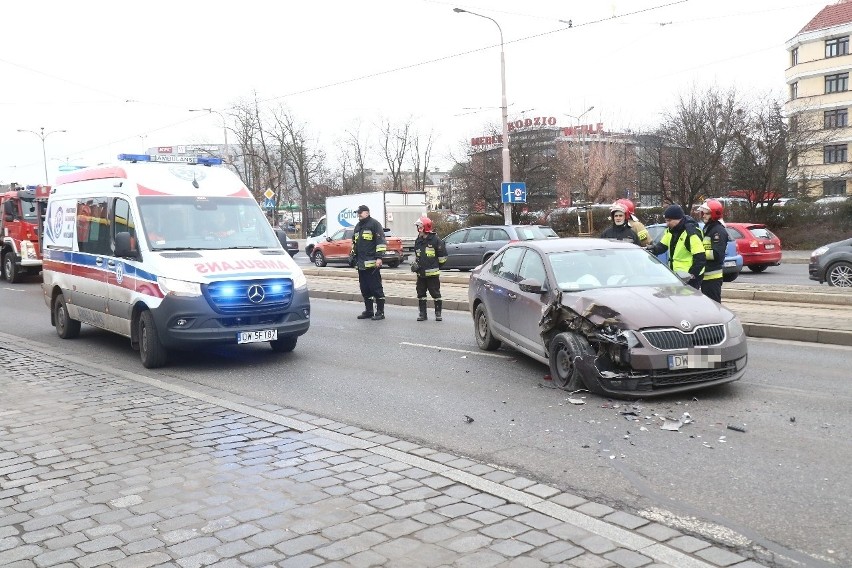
(576,401)
(468,419)
(671,424)
(737,427)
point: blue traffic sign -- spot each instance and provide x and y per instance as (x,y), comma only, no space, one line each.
(513,192)
(268,204)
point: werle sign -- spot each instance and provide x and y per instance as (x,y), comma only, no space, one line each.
(538,121)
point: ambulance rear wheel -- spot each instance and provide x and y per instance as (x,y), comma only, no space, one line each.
(10,268)
(66,327)
(151,351)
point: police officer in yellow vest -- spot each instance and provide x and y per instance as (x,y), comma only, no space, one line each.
(715,245)
(685,244)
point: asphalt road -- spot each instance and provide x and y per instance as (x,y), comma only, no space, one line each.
(781,485)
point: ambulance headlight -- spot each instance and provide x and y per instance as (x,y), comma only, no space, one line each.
(299,279)
(172,287)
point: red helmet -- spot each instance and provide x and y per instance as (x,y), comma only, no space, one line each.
(714,208)
(628,205)
(424,222)
(617,207)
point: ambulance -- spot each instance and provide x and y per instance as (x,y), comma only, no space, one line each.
(172,254)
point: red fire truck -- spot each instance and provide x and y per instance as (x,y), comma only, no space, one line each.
(21,215)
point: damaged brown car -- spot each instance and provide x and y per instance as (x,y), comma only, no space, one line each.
(606,316)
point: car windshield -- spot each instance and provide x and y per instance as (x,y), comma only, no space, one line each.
(611,268)
(204,223)
(549,233)
(29,209)
(533,232)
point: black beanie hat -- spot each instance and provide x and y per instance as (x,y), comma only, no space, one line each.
(673,212)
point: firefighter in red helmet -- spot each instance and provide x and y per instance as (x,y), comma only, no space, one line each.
(633,221)
(715,245)
(429,255)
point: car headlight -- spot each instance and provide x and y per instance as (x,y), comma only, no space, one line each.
(735,328)
(299,279)
(172,287)
(27,250)
(819,251)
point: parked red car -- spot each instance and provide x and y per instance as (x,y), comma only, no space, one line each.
(759,247)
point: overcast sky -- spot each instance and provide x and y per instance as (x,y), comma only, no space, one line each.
(121,76)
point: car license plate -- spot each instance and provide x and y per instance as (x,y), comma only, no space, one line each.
(257,336)
(730,264)
(767,247)
(694,360)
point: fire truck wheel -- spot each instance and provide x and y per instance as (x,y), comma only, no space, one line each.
(10,269)
(66,327)
(151,351)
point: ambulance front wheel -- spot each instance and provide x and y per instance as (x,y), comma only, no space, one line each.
(284,344)
(66,327)
(151,351)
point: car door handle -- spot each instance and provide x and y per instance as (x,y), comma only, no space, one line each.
(99,261)
(111,263)
(512,296)
(488,286)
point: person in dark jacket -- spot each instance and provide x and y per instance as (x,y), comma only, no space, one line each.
(715,246)
(368,246)
(685,245)
(620,229)
(429,254)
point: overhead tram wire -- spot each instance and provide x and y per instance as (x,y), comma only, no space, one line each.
(469,52)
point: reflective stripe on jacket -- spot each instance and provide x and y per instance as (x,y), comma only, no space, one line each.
(429,254)
(715,247)
(368,243)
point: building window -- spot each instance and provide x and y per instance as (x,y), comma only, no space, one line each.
(834,187)
(794,56)
(837,118)
(837,47)
(836,83)
(834,154)
(794,90)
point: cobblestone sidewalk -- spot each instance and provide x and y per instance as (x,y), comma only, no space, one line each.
(99,468)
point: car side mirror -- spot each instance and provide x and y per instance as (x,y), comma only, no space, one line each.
(125,245)
(532,286)
(328,239)
(8,218)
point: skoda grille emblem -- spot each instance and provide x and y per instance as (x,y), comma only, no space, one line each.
(256,293)
(685,325)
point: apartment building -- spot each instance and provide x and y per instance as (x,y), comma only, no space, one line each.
(819,102)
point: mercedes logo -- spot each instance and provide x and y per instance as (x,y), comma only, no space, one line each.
(256,294)
(685,325)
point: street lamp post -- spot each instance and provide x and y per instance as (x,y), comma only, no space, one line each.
(577,132)
(224,125)
(507,169)
(42,135)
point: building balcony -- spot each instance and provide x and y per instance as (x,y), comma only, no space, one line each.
(826,66)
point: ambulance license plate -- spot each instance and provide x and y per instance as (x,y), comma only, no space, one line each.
(257,336)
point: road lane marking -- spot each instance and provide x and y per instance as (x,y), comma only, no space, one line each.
(440,348)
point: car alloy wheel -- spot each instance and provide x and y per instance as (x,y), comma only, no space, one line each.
(840,275)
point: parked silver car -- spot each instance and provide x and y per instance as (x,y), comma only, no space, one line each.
(469,247)
(606,316)
(832,263)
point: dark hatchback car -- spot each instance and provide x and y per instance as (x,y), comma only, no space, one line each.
(832,263)
(290,245)
(606,316)
(468,248)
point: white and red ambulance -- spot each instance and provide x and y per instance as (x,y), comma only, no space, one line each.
(171,255)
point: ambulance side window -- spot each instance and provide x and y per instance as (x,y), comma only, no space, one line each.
(122,221)
(93,235)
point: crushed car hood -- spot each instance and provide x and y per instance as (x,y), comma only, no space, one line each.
(646,306)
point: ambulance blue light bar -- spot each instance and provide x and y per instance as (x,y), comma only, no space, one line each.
(171,159)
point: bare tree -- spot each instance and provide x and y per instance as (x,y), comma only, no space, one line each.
(353,158)
(420,161)
(394,146)
(304,160)
(690,151)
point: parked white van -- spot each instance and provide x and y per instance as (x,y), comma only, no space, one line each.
(171,255)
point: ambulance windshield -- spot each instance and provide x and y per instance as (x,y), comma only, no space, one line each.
(204,223)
